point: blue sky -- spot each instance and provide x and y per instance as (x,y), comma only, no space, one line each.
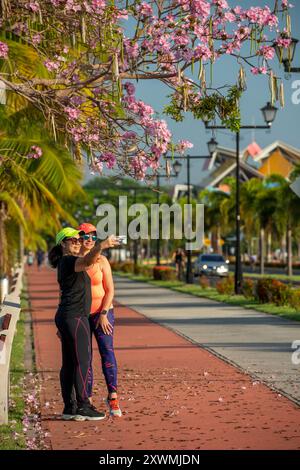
(285,128)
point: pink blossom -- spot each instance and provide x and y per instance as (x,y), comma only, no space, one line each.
(33,6)
(184,145)
(283,42)
(109,159)
(3,50)
(131,48)
(36,39)
(36,152)
(130,88)
(145,9)
(267,52)
(259,70)
(203,52)
(51,65)
(73,113)
(129,135)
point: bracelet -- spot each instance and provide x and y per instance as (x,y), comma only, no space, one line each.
(103,312)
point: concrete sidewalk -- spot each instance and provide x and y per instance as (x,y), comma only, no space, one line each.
(174,394)
(258,343)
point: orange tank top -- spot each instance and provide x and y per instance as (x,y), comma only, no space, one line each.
(98,292)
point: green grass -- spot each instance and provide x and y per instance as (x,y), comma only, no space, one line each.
(16,412)
(211,293)
(279,277)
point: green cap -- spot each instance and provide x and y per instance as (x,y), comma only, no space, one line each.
(66,232)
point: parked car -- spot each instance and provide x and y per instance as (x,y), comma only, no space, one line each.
(211,265)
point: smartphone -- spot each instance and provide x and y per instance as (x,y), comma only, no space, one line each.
(122,239)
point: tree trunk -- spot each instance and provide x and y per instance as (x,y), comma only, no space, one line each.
(269,249)
(262,250)
(21,234)
(3,216)
(219,247)
(283,248)
(214,241)
(289,251)
(21,243)
(148,255)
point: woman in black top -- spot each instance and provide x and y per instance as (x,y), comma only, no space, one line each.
(72,320)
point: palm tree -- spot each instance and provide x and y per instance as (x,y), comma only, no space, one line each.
(32,192)
(287,214)
(217,217)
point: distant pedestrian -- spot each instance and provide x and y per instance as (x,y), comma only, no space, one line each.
(252,262)
(40,257)
(30,258)
(179,259)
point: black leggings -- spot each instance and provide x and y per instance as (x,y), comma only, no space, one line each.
(76,357)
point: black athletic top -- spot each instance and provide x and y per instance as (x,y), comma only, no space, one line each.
(75,289)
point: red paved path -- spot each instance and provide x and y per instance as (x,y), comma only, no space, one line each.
(174,395)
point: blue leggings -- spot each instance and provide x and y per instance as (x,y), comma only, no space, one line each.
(106,350)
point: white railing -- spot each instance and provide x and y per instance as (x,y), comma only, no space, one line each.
(9,315)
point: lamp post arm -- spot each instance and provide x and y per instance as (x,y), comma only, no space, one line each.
(241,127)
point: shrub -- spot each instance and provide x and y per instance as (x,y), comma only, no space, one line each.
(263,290)
(248,288)
(124,266)
(115,265)
(204,282)
(294,299)
(164,273)
(226,286)
(280,293)
(271,290)
(146,271)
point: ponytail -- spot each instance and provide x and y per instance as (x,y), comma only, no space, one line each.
(54,255)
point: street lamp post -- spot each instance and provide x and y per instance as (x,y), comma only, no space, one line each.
(133,190)
(286,55)
(212,145)
(269,114)
(176,168)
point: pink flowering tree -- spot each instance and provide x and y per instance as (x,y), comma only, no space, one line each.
(92,51)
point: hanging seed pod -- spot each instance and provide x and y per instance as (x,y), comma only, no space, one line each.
(281,95)
(200,69)
(203,80)
(53,127)
(185,97)
(122,50)
(242,79)
(271,85)
(40,16)
(168,168)
(73,39)
(288,25)
(83,30)
(115,68)
(77,153)
(276,88)
(5,9)
(179,75)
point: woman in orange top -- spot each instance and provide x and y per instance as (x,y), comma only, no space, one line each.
(102,316)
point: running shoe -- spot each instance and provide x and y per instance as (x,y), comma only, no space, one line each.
(88,413)
(69,412)
(114,407)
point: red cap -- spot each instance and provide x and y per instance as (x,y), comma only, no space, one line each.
(86,228)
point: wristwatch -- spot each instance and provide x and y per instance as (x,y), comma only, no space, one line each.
(103,312)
